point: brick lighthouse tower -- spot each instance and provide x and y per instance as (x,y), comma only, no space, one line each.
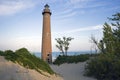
(46,35)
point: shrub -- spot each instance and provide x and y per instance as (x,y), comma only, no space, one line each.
(104,67)
(71,59)
(10,55)
(1,53)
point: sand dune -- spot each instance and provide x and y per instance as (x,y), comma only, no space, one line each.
(12,71)
(71,71)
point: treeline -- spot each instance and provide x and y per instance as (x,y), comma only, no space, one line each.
(106,66)
(26,59)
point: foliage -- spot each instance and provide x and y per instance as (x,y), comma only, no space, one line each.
(1,53)
(71,59)
(108,38)
(63,44)
(10,55)
(28,60)
(104,67)
(110,43)
(107,66)
(100,44)
(116,32)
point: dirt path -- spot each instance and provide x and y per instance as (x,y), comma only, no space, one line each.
(71,71)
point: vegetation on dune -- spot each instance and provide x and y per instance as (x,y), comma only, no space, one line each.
(106,66)
(26,59)
(71,59)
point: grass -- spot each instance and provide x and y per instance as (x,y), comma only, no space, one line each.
(26,59)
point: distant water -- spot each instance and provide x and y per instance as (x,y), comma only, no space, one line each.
(56,54)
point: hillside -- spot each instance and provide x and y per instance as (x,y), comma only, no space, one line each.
(22,65)
(25,58)
(12,71)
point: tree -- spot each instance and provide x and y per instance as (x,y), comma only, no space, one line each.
(108,38)
(105,45)
(116,31)
(63,44)
(110,43)
(107,66)
(60,45)
(99,45)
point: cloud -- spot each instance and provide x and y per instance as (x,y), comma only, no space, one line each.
(66,11)
(77,1)
(90,28)
(8,7)
(64,16)
(70,6)
(88,6)
(82,4)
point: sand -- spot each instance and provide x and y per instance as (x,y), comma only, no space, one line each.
(71,71)
(12,71)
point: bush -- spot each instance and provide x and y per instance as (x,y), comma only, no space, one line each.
(10,55)
(71,59)
(104,67)
(1,53)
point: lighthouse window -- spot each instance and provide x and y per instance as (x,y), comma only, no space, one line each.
(48,54)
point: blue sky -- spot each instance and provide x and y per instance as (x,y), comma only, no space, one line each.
(21,22)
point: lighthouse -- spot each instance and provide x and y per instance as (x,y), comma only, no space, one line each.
(46,52)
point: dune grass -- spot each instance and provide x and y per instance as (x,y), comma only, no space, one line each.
(26,59)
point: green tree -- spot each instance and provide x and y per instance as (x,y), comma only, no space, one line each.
(108,38)
(60,45)
(107,66)
(98,44)
(116,31)
(110,43)
(63,44)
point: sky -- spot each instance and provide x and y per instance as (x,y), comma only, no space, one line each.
(21,22)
